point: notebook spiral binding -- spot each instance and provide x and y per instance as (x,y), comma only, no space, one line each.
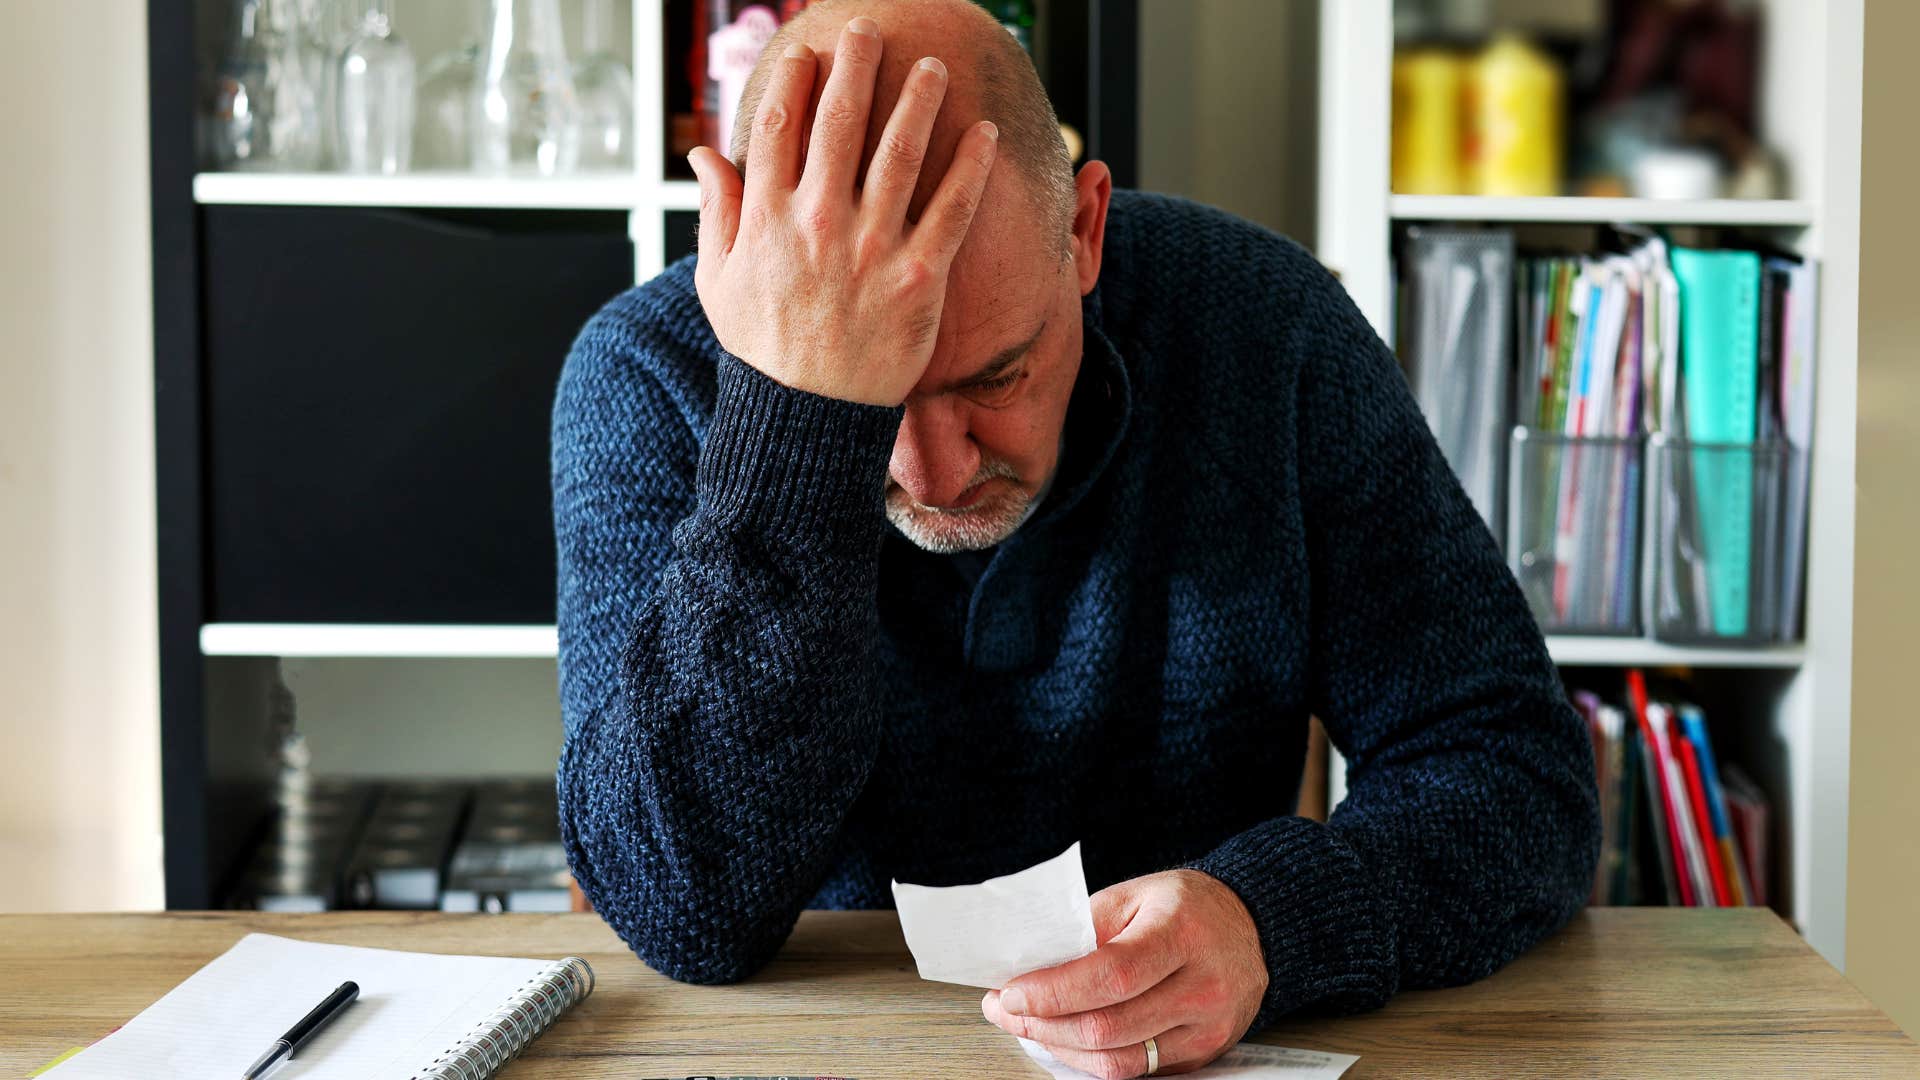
(501,1037)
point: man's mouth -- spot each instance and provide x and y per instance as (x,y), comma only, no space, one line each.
(968,497)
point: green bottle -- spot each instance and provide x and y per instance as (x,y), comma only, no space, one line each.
(1016,16)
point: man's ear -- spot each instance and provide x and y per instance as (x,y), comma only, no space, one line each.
(1091,190)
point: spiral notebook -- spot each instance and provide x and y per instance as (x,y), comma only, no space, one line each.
(420,1016)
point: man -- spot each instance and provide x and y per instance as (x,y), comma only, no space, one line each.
(930,521)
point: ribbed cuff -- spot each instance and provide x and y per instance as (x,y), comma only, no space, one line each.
(794,465)
(1322,926)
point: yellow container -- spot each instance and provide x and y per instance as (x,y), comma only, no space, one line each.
(1514,101)
(1426,122)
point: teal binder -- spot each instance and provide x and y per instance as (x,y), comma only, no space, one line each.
(1720,369)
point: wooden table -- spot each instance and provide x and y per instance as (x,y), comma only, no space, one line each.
(1620,992)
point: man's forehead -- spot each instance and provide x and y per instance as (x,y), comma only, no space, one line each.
(998,294)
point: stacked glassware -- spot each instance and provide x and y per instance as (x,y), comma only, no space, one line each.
(308,85)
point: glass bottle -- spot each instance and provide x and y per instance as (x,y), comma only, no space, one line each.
(737,31)
(330,25)
(443,110)
(604,87)
(525,117)
(266,105)
(375,121)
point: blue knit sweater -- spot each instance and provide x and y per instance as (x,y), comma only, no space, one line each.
(773,701)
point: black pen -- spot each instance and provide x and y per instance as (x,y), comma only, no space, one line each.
(303,1032)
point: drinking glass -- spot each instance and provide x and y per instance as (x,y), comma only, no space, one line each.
(604,87)
(443,118)
(525,114)
(375,121)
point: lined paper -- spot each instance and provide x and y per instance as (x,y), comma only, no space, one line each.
(412,1007)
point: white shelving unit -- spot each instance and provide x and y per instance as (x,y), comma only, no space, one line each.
(1810,114)
(1811,107)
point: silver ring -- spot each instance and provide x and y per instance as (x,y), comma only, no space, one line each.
(1153,1056)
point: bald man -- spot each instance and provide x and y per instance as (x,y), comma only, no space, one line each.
(949,507)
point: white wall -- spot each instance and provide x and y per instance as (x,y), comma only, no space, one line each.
(1883,854)
(79,713)
(1227,106)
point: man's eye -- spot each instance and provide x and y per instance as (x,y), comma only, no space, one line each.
(999,387)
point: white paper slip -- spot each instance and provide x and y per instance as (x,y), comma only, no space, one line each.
(1248,1061)
(987,934)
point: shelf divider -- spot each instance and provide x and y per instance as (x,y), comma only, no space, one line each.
(1580,210)
(373,640)
(587,191)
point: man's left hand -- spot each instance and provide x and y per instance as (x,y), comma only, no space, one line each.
(1179,962)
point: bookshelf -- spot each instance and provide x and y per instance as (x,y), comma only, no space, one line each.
(1797,697)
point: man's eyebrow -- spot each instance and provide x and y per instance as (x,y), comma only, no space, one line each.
(1001,361)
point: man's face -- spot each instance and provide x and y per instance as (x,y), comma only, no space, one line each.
(981,437)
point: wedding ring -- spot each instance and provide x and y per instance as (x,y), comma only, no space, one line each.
(1153,1056)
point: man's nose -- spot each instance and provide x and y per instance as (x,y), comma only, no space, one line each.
(934,457)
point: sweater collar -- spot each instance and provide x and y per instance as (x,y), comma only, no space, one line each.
(1098,414)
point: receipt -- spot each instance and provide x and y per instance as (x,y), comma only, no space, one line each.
(1248,1061)
(987,934)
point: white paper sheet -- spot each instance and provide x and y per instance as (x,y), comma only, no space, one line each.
(1248,1061)
(987,934)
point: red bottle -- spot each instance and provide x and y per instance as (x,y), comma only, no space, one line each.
(738,30)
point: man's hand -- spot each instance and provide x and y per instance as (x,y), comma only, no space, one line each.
(1179,962)
(821,286)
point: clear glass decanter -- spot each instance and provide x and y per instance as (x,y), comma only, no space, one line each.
(525,115)
(604,87)
(375,89)
(265,112)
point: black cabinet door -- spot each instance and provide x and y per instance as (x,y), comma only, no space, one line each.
(377,388)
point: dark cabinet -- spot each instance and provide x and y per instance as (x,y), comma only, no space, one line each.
(377,387)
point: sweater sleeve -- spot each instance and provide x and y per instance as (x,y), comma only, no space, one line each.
(1470,826)
(720,717)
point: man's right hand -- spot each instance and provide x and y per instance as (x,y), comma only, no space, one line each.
(821,286)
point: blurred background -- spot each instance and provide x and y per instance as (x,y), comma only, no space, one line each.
(285,285)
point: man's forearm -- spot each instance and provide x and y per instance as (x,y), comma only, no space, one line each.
(1454,851)
(701,801)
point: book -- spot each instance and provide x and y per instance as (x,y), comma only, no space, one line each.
(1689,858)
(1749,816)
(1694,722)
(1679,886)
(1719,343)
(1605,756)
(1797,337)
(422,1016)
(1626,886)
(1703,826)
